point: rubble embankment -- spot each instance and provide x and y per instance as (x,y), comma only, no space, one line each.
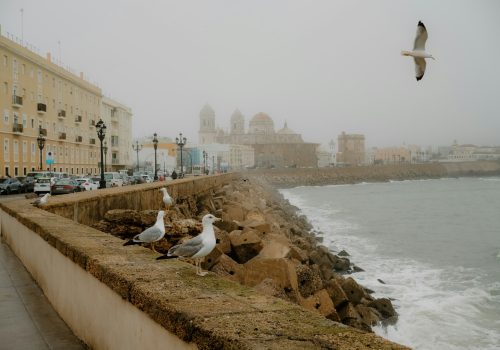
(374,173)
(263,243)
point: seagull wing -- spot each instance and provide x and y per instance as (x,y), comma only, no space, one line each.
(420,38)
(149,235)
(188,248)
(419,67)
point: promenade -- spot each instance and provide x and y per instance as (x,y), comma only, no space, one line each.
(27,320)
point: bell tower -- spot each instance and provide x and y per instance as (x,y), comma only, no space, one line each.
(207,133)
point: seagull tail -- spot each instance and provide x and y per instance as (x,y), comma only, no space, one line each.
(166,256)
(130,242)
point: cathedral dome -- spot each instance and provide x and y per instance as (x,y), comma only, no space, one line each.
(286,130)
(207,111)
(237,115)
(262,119)
(261,123)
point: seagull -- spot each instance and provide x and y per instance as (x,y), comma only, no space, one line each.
(152,234)
(167,200)
(42,200)
(419,55)
(197,247)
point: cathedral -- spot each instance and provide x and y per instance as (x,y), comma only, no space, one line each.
(272,148)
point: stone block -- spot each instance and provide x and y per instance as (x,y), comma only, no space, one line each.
(368,315)
(245,245)
(212,258)
(275,249)
(320,302)
(228,268)
(355,293)
(384,306)
(336,292)
(297,254)
(348,311)
(234,211)
(309,279)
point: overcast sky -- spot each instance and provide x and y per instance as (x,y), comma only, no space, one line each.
(323,66)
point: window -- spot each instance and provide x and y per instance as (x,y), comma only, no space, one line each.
(6,88)
(6,152)
(7,171)
(16,150)
(5,60)
(16,171)
(25,151)
(33,151)
(24,171)
(32,123)
(6,116)
(25,120)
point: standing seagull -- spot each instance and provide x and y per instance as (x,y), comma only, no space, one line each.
(152,234)
(419,55)
(42,200)
(167,200)
(197,247)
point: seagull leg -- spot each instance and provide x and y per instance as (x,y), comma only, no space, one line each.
(200,272)
(153,247)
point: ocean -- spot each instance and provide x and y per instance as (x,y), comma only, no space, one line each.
(434,243)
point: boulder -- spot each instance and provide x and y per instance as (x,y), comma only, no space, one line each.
(368,315)
(226,224)
(297,254)
(384,306)
(320,302)
(282,271)
(348,311)
(245,245)
(223,241)
(234,211)
(336,292)
(212,258)
(308,279)
(228,268)
(275,248)
(270,287)
(353,290)
(124,216)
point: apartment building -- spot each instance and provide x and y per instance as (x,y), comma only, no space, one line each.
(39,97)
(351,149)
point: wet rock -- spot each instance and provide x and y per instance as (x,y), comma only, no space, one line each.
(356,268)
(384,306)
(244,245)
(380,281)
(343,253)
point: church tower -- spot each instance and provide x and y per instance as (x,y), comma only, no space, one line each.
(207,133)
(237,123)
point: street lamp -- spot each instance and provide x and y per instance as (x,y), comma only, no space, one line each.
(105,148)
(137,148)
(41,143)
(213,164)
(205,156)
(181,141)
(101,133)
(155,145)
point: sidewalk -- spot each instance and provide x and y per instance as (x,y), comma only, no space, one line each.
(27,320)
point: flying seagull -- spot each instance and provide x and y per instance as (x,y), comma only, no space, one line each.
(419,55)
(167,200)
(42,200)
(197,247)
(152,234)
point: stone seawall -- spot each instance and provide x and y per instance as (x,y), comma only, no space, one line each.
(374,173)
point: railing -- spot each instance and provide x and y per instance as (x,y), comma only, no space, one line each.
(78,119)
(17,101)
(78,139)
(41,108)
(115,161)
(18,128)
(62,136)
(61,113)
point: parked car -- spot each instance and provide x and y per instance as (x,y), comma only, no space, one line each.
(87,184)
(137,179)
(42,185)
(9,185)
(65,186)
(113,179)
(96,180)
(27,183)
(147,178)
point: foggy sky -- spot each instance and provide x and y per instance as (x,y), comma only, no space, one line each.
(323,66)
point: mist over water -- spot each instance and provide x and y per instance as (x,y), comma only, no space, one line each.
(435,244)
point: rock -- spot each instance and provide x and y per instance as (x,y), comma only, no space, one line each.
(336,293)
(30,195)
(245,245)
(356,268)
(212,258)
(353,290)
(343,253)
(320,302)
(308,279)
(319,258)
(269,287)
(348,311)
(226,223)
(384,306)
(368,315)
(380,281)
(124,216)
(297,254)
(282,271)
(234,211)
(275,248)
(228,268)
(223,241)
(340,264)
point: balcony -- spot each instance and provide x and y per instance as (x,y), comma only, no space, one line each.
(17,101)
(78,139)
(62,136)
(17,129)
(42,132)
(78,119)
(91,123)
(92,141)
(115,161)
(41,108)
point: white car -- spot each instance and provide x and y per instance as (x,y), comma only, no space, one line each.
(147,178)
(42,185)
(87,183)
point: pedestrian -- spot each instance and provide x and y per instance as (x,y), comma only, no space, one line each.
(174,175)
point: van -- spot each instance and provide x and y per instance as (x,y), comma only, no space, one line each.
(42,185)
(113,179)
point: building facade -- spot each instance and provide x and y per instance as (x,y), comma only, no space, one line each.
(272,148)
(351,149)
(38,96)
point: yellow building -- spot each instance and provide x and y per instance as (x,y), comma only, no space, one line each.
(36,95)
(351,149)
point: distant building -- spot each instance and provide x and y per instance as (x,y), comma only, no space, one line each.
(282,148)
(351,149)
(468,152)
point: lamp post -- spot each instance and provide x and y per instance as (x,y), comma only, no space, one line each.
(105,148)
(205,156)
(213,164)
(181,141)
(101,133)
(137,148)
(155,145)
(41,144)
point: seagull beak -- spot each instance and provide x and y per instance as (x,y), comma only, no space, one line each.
(218,219)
